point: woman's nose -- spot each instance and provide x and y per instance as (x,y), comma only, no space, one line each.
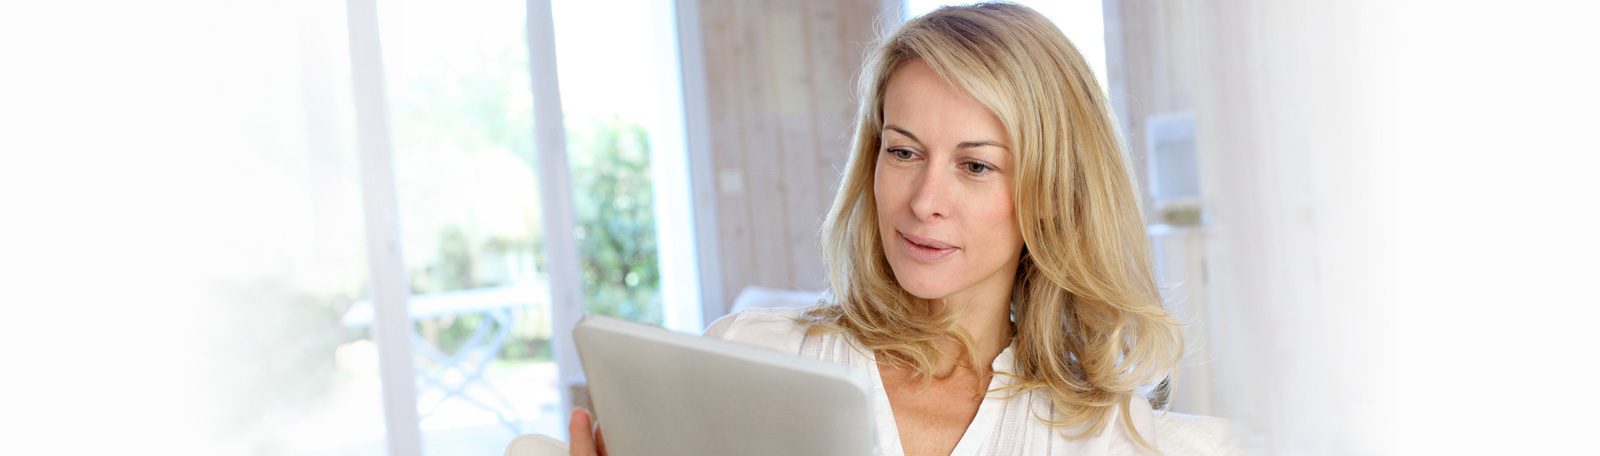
(930,199)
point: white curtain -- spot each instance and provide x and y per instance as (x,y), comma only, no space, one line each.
(1398,224)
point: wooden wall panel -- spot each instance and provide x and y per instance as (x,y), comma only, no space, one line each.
(766,219)
(719,28)
(832,73)
(790,66)
(781,101)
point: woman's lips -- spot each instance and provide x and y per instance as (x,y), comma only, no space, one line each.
(924,253)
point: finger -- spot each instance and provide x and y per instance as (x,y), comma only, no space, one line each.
(599,440)
(581,438)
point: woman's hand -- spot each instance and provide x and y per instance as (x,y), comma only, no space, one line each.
(585,434)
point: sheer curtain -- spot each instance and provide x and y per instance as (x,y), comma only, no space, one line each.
(1262,228)
(1394,259)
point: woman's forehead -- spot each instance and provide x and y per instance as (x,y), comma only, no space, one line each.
(924,106)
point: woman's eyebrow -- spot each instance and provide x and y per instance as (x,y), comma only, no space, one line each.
(903,132)
(962,145)
(972,144)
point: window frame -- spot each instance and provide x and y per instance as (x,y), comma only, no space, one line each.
(679,181)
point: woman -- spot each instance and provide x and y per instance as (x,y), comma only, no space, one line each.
(986,251)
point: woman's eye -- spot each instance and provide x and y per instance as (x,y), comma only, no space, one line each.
(902,154)
(976,168)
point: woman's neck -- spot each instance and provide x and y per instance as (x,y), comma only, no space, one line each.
(988,321)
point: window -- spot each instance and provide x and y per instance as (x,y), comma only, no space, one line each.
(621,97)
(460,108)
(490,215)
(326,227)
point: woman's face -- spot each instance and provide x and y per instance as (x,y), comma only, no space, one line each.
(943,188)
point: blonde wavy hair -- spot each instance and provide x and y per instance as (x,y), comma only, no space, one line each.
(1090,329)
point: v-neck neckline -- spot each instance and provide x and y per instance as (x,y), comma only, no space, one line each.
(971,440)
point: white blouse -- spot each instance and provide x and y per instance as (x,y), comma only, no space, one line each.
(1001,427)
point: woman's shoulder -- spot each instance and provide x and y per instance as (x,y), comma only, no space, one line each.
(1115,439)
(1143,419)
(780,328)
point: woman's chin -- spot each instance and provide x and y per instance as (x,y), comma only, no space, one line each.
(925,288)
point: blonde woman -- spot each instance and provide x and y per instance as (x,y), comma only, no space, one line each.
(986,251)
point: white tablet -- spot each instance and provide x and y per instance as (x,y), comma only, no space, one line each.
(659,392)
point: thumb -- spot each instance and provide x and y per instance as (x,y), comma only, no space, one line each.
(581,433)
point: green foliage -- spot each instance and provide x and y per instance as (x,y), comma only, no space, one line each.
(528,349)
(615,211)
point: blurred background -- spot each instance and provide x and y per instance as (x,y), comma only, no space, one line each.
(366,227)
